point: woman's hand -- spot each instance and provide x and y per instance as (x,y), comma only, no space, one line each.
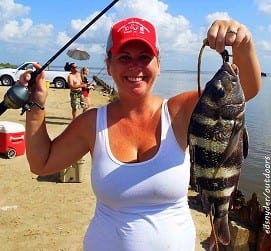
(231,33)
(227,33)
(38,90)
(24,78)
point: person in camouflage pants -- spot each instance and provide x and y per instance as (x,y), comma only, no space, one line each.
(76,85)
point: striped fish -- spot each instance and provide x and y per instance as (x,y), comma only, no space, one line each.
(218,144)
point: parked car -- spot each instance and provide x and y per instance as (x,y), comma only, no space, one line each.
(8,76)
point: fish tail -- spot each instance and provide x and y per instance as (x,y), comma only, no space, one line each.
(222,231)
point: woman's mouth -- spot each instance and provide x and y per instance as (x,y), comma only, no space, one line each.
(135,79)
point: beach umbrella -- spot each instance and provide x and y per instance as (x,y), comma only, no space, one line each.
(78,54)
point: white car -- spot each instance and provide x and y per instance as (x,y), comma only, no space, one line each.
(8,76)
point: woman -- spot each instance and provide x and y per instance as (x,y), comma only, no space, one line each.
(138,145)
(85,90)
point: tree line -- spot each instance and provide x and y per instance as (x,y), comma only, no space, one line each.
(7,65)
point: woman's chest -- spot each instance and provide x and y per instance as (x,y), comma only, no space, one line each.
(134,143)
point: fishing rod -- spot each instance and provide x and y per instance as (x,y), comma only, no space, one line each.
(18,95)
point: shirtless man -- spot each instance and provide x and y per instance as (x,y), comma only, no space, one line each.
(76,84)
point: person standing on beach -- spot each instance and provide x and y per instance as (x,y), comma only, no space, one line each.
(75,84)
(138,143)
(84,72)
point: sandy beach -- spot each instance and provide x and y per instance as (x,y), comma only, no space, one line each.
(47,215)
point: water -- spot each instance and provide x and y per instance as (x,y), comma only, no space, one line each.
(258,121)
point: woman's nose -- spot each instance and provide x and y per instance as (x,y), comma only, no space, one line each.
(135,63)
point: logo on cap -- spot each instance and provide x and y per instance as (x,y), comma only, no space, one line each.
(133,27)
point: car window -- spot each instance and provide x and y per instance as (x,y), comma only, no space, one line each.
(27,67)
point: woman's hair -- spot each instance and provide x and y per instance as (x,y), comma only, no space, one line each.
(83,72)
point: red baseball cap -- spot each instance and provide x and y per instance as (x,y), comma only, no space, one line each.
(132,29)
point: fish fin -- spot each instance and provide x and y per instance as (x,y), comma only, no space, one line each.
(222,231)
(233,141)
(245,142)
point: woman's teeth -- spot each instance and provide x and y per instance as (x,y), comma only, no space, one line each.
(135,79)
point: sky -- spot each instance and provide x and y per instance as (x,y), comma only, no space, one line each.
(35,30)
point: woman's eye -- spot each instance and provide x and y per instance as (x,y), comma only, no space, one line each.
(124,58)
(141,59)
(145,58)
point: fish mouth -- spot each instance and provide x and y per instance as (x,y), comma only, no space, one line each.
(235,104)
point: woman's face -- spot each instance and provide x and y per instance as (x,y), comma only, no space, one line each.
(134,69)
(86,71)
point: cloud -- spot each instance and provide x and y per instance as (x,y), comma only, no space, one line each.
(176,29)
(16,28)
(210,18)
(217,15)
(179,41)
(9,9)
(266,46)
(93,39)
(264,6)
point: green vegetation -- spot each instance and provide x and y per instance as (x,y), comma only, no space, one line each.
(7,65)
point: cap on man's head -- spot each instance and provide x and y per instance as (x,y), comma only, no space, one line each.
(131,29)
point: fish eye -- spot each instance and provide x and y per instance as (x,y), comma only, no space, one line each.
(221,92)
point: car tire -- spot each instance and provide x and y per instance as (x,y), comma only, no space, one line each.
(7,80)
(59,83)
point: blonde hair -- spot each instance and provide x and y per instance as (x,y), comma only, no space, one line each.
(83,72)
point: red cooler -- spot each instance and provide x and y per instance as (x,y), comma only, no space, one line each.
(12,139)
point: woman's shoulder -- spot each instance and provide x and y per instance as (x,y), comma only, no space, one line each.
(86,119)
(182,105)
(183,101)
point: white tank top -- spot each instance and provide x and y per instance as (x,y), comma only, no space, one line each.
(140,206)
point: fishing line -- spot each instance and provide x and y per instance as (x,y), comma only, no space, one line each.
(213,228)
(199,64)
(225,57)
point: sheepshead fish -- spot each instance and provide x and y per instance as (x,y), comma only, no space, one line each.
(218,144)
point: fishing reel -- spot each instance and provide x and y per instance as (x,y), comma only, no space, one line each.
(18,96)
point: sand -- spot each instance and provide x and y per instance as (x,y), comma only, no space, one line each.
(45,214)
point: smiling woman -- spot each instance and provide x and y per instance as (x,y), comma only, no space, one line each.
(141,184)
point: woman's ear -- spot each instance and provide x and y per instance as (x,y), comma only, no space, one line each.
(158,63)
(107,61)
